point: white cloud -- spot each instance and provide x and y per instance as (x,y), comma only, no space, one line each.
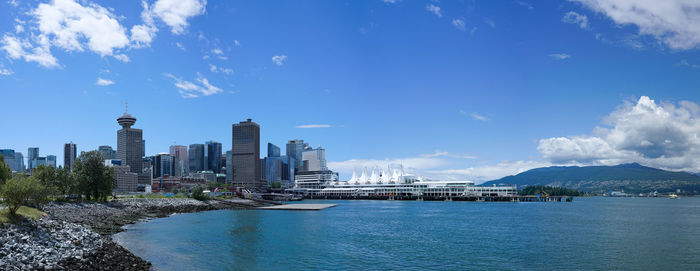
(434,9)
(279,60)
(214,68)
(559,56)
(308,126)
(19,28)
(14,3)
(575,18)
(16,49)
(180,46)
(217,51)
(526,4)
(122,58)
(73,27)
(104,82)
(459,24)
(189,89)
(478,117)
(390,1)
(674,22)
(480,174)
(659,135)
(175,13)
(6,72)
(236,43)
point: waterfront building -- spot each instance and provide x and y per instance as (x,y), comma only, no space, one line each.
(181,159)
(167,183)
(107,152)
(130,144)
(314,173)
(395,183)
(295,148)
(246,155)
(163,164)
(51,161)
(207,175)
(125,181)
(69,155)
(32,155)
(196,157)
(229,167)
(213,156)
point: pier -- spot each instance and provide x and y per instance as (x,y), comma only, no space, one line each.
(510,198)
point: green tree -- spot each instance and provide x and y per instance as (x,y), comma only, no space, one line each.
(16,192)
(5,171)
(276,185)
(94,179)
(46,175)
(198,193)
(65,181)
(38,192)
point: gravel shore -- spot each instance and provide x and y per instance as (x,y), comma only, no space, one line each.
(77,236)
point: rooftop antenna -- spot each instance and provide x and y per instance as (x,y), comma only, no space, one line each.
(126,106)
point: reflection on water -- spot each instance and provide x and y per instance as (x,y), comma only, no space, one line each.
(587,234)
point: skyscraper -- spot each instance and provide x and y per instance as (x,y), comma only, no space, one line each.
(130,144)
(294,150)
(196,158)
(50,160)
(181,160)
(229,167)
(69,155)
(314,159)
(10,158)
(19,161)
(32,156)
(163,164)
(273,150)
(213,156)
(107,152)
(246,154)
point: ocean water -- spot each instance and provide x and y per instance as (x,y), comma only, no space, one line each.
(587,234)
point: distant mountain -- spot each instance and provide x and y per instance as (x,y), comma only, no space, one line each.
(629,177)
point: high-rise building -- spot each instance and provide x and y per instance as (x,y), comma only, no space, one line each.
(130,144)
(125,181)
(213,155)
(50,160)
(69,155)
(196,158)
(272,150)
(107,152)
(246,154)
(278,169)
(229,167)
(314,159)
(9,156)
(19,162)
(181,160)
(32,155)
(294,150)
(163,164)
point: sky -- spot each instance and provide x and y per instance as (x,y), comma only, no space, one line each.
(472,90)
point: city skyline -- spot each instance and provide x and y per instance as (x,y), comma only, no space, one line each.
(452,90)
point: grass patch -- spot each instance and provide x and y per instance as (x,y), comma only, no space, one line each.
(24,211)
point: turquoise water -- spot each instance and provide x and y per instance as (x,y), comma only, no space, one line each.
(587,234)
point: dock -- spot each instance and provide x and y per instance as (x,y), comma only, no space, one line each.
(299,207)
(509,198)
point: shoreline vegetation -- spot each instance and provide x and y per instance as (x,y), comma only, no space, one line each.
(77,235)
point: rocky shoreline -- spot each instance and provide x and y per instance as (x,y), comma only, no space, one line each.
(77,236)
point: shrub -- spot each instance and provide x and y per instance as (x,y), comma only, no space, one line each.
(198,193)
(17,192)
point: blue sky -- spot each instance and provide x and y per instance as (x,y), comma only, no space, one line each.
(451,89)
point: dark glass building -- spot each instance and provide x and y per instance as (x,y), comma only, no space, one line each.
(196,158)
(245,155)
(130,144)
(69,155)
